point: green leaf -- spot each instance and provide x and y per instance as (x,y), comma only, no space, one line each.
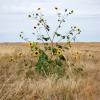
(49,48)
(46,38)
(29,16)
(33,33)
(58,62)
(57,34)
(54,50)
(63,37)
(43,56)
(65,10)
(64,20)
(71,33)
(21,32)
(42,65)
(68,37)
(50,61)
(72,11)
(38,67)
(34,44)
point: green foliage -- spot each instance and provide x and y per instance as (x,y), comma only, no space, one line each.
(46,38)
(58,62)
(57,34)
(47,66)
(42,64)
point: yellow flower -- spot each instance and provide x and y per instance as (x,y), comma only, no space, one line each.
(59,51)
(30,44)
(36,53)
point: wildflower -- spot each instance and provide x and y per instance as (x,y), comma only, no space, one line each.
(59,51)
(36,53)
(31,44)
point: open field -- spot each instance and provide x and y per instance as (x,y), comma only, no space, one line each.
(15,85)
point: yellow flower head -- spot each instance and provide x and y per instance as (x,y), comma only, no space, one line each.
(59,51)
(36,53)
(30,44)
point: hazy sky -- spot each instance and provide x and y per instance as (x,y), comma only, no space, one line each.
(13,17)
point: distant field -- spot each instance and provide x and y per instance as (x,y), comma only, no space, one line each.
(14,86)
(93,46)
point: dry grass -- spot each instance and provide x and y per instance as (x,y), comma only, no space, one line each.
(15,85)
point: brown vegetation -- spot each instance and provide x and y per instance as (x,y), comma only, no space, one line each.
(15,84)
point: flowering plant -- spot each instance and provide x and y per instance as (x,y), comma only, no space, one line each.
(50,56)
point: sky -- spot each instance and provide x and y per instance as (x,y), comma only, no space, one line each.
(13,17)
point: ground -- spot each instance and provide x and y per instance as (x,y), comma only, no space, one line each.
(15,86)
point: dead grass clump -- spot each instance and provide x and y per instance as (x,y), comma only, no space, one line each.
(45,89)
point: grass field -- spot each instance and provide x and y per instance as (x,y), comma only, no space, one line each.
(16,85)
